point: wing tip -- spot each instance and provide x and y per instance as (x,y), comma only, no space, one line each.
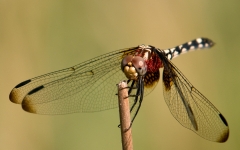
(27,106)
(224,137)
(15,96)
(225,133)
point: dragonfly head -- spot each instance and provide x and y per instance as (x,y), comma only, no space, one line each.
(133,66)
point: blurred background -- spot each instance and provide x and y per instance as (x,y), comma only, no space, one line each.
(41,36)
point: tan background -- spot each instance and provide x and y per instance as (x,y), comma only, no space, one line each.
(41,36)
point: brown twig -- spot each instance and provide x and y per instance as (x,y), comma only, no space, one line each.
(125,119)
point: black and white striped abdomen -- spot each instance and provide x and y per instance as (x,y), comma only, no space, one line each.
(198,43)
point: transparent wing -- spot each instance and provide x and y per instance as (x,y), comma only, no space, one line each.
(193,110)
(87,87)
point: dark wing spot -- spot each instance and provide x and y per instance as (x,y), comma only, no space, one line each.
(223,119)
(23,83)
(36,89)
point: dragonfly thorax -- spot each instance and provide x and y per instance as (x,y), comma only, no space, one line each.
(148,53)
(133,66)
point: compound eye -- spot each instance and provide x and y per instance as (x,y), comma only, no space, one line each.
(140,65)
(125,61)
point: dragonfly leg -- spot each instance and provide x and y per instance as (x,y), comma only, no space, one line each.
(140,93)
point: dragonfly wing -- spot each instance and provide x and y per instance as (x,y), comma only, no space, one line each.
(192,109)
(87,87)
(21,90)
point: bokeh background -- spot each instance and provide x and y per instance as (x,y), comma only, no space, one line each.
(40,36)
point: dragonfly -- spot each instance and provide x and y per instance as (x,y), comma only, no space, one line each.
(90,87)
